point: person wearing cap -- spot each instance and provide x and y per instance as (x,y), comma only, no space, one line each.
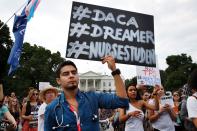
(47,95)
(4,112)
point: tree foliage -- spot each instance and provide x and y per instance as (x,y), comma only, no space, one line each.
(163,76)
(180,67)
(131,81)
(5,47)
(177,61)
(37,64)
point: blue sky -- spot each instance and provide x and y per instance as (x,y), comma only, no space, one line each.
(175,27)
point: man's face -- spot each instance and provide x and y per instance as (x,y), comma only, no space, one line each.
(68,78)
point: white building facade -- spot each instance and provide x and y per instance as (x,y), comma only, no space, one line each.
(96,81)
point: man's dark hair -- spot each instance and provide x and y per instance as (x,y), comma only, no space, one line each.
(61,65)
(192,80)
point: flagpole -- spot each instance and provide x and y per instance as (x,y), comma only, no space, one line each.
(12,16)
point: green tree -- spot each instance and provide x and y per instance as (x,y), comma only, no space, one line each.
(37,64)
(5,47)
(176,61)
(180,66)
(163,76)
(175,80)
(131,81)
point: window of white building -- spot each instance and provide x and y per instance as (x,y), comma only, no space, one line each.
(104,84)
(109,83)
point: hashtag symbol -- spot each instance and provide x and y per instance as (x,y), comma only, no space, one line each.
(81,12)
(77,49)
(79,29)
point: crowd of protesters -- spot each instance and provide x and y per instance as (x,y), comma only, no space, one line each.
(27,115)
(144,113)
(141,116)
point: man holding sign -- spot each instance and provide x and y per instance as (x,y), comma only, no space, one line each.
(76,110)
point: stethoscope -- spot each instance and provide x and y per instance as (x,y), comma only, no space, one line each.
(60,124)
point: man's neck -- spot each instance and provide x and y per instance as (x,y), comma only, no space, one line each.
(71,98)
(70,94)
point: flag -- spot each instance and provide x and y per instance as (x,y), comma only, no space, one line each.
(31,7)
(19,27)
(20,23)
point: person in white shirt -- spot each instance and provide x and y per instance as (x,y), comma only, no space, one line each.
(192,100)
(134,116)
(162,120)
(47,95)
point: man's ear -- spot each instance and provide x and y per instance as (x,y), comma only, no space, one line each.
(58,81)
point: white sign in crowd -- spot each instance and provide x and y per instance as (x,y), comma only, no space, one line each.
(148,76)
(167,99)
(43,85)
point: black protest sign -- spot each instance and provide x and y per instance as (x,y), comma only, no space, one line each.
(97,31)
